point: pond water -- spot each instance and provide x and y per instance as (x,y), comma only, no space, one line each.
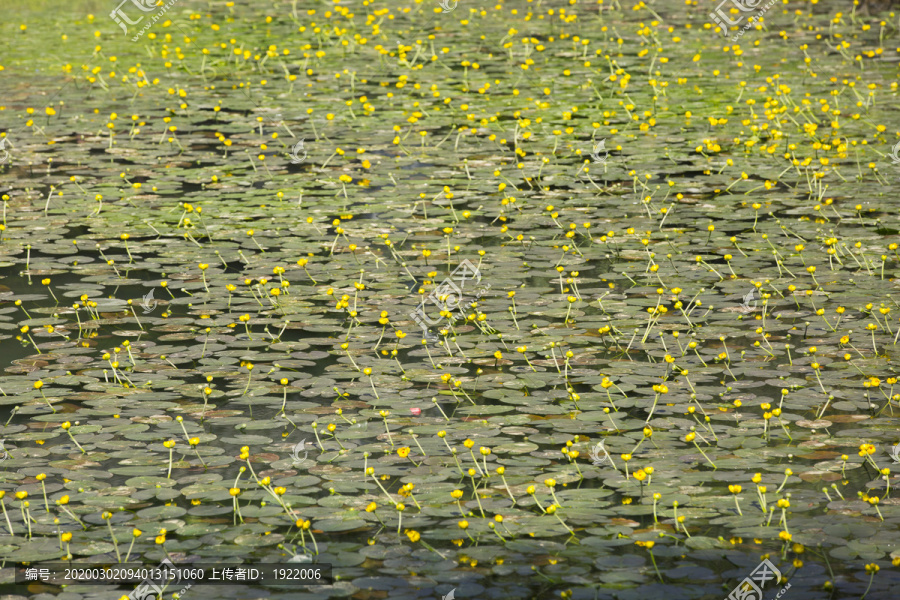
(507,300)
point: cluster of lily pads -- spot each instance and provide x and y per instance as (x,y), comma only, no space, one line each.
(233,326)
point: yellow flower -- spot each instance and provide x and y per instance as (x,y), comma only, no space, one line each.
(403,452)
(413,536)
(463,524)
